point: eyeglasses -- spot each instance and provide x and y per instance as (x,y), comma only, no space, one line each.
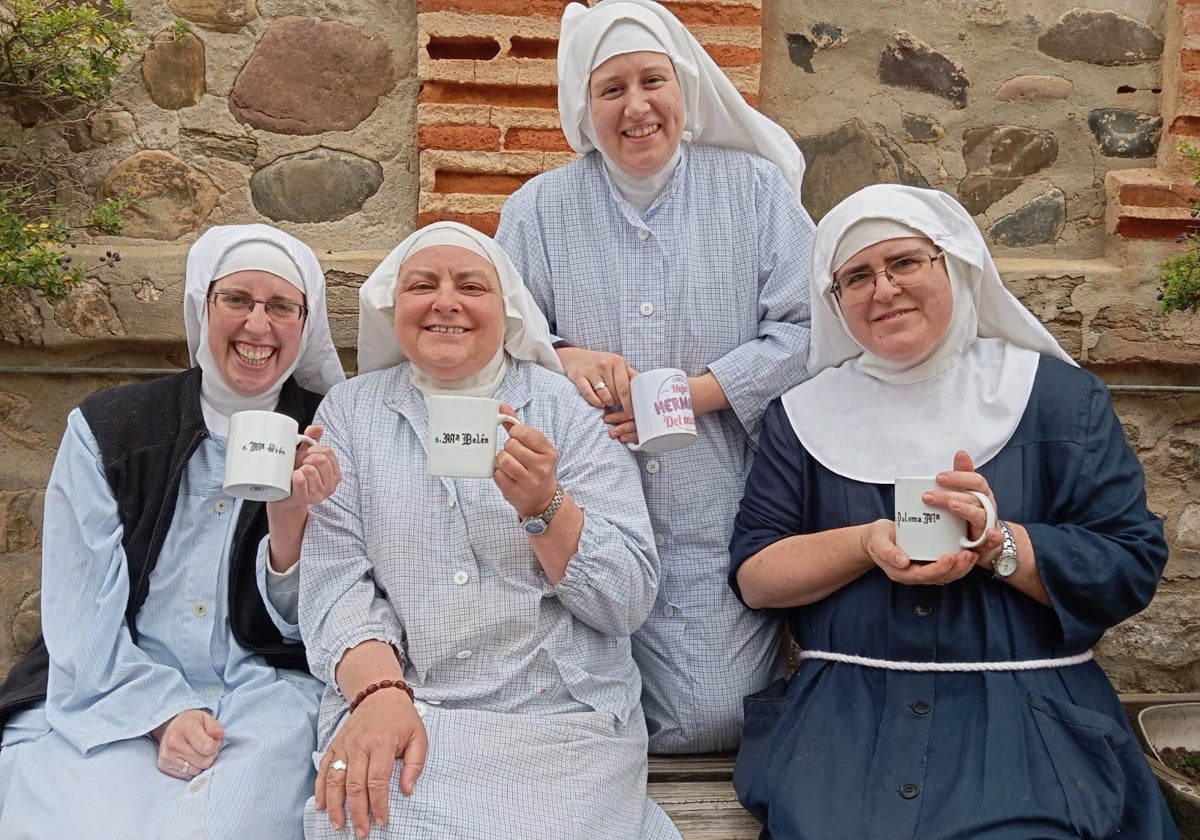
(902,272)
(280,311)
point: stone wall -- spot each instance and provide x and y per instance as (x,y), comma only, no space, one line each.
(1054,123)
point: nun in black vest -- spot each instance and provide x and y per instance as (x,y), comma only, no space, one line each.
(170,696)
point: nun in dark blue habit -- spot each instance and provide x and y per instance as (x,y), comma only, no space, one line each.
(956,698)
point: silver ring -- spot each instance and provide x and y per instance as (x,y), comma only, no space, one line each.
(338,765)
(600,384)
(185,768)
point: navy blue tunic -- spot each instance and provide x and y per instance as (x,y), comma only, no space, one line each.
(844,751)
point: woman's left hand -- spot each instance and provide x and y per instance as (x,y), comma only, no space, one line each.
(316,474)
(525,468)
(964,505)
(879,545)
(623,426)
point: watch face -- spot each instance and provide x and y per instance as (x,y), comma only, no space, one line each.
(534,527)
(1004,565)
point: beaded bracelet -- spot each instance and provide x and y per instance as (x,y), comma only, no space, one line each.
(373,687)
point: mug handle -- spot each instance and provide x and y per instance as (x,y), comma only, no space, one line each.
(507,418)
(636,447)
(305,439)
(987,526)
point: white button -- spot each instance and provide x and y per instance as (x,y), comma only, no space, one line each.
(463,654)
(460,578)
(453,501)
(668,610)
(211,691)
(421,708)
(660,540)
(643,234)
(652,466)
(222,505)
(646,308)
(198,784)
(200,609)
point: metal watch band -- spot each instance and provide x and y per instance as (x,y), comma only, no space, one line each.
(555,503)
(1005,564)
(545,516)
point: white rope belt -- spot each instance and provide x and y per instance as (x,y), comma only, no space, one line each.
(893,665)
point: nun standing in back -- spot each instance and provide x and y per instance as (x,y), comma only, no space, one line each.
(473,633)
(677,241)
(955,698)
(171,697)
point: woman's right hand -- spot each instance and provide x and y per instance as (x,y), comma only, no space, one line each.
(879,544)
(188,743)
(382,729)
(602,378)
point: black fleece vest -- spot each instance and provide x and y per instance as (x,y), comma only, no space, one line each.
(146,434)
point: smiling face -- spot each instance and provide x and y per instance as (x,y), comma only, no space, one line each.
(899,325)
(252,351)
(637,111)
(449,311)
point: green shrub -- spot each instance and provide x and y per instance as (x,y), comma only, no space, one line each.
(59,52)
(55,56)
(1179,275)
(33,245)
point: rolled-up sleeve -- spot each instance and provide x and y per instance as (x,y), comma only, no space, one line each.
(758,371)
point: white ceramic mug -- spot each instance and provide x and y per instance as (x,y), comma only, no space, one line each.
(261,455)
(462,435)
(926,533)
(662,410)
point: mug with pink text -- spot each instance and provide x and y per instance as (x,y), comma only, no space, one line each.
(662,410)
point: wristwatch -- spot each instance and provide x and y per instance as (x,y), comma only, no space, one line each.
(537,525)
(1005,565)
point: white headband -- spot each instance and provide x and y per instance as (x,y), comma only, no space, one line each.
(259,255)
(866,232)
(624,37)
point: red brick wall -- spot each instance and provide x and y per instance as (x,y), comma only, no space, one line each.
(1156,203)
(487,113)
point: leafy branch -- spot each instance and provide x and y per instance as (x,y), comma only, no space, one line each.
(1179,275)
(54,55)
(63,52)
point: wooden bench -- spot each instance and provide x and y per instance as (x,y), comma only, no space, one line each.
(697,792)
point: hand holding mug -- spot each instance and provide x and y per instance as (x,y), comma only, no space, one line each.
(964,478)
(462,435)
(662,411)
(879,546)
(316,474)
(260,455)
(525,468)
